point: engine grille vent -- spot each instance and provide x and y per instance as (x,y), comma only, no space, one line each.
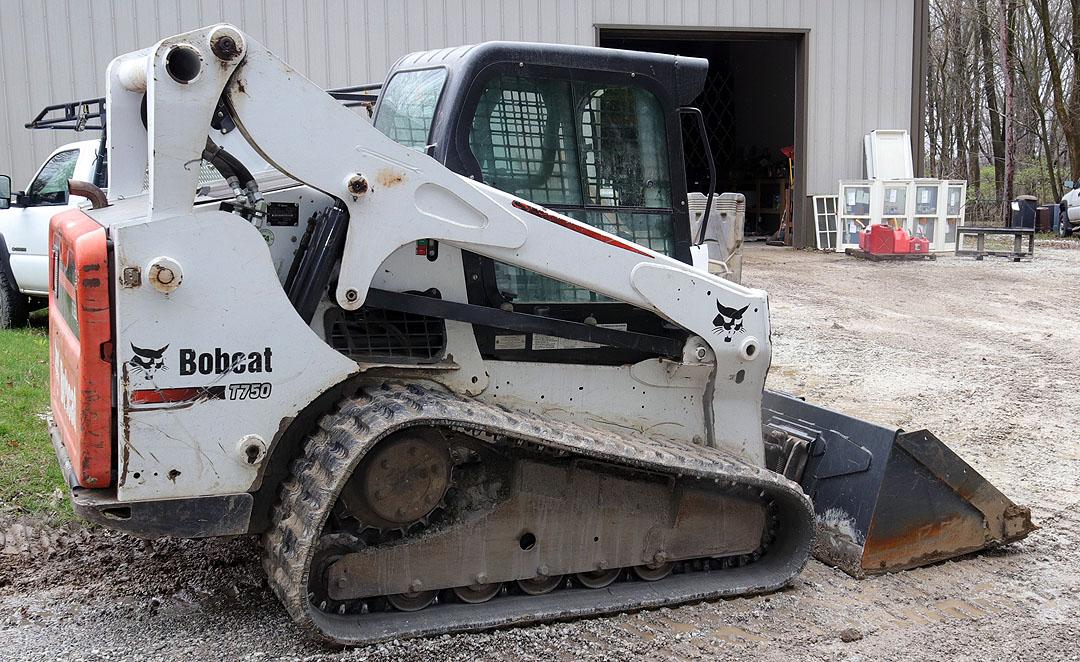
(376,334)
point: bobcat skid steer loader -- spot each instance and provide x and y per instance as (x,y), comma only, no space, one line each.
(444,406)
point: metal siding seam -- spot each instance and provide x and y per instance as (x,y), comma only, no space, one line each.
(6,118)
(27,78)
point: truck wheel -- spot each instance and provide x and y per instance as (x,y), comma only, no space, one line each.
(1064,224)
(13,309)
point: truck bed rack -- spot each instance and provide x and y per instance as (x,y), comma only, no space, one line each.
(81,115)
(72,116)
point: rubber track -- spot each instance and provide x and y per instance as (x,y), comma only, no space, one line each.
(333,451)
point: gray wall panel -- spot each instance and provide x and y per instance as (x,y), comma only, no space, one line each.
(859,73)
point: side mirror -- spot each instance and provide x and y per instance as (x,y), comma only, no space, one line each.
(1069,184)
(699,121)
(5,191)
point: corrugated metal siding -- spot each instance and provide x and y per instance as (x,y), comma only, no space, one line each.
(859,70)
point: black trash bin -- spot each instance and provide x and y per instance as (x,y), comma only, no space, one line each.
(1047,218)
(1024,210)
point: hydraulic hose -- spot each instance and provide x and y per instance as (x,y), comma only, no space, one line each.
(227,164)
(236,174)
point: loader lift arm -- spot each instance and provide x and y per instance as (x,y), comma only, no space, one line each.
(396,195)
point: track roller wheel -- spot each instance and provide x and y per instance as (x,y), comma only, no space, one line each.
(597,578)
(414,601)
(479,593)
(539,585)
(653,572)
(330,548)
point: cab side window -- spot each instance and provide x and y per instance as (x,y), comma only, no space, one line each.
(51,184)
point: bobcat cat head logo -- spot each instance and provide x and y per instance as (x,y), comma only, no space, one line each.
(729,321)
(148,361)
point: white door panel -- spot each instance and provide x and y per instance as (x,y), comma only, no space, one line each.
(31,273)
(26,233)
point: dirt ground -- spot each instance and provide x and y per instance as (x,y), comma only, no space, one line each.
(982,353)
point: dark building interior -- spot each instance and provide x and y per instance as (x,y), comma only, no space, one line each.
(750,107)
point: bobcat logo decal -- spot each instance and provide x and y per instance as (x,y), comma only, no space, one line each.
(729,321)
(148,361)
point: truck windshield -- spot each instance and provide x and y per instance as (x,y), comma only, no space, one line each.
(51,183)
(407,106)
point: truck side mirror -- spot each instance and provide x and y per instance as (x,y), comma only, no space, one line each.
(1069,184)
(5,191)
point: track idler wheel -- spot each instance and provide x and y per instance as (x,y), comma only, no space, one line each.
(597,578)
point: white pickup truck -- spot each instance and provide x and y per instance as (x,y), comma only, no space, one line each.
(1069,210)
(24,227)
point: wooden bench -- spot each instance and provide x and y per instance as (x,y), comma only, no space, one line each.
(980,251)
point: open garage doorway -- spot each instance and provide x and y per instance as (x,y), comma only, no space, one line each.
(752,108)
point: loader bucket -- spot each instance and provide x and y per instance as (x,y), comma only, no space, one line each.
(885,499)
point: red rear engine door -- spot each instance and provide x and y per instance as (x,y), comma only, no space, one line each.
(80,345)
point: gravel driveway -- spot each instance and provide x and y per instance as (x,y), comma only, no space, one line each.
(982,353)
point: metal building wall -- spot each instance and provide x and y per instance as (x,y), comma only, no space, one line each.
(859,52)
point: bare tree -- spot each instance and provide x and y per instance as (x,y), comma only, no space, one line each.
(1032,75)
(1003,92)
(994,119)
(1063,85)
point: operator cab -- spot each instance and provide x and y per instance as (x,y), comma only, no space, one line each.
(593,133)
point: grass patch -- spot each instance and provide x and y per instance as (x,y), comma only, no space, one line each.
(1052,236)
(30,477)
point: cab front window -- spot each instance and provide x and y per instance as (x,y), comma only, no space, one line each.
(407,106)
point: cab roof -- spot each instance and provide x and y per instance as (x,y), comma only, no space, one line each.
(681,77)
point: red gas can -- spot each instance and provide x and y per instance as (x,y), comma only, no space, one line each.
(882,240)
(901,241)
(920,245)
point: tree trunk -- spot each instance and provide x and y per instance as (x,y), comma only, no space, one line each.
(974,135)
(997,136)
(932,138)
(1006,9)
(1065,107)
(1031,72)
(960,99)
